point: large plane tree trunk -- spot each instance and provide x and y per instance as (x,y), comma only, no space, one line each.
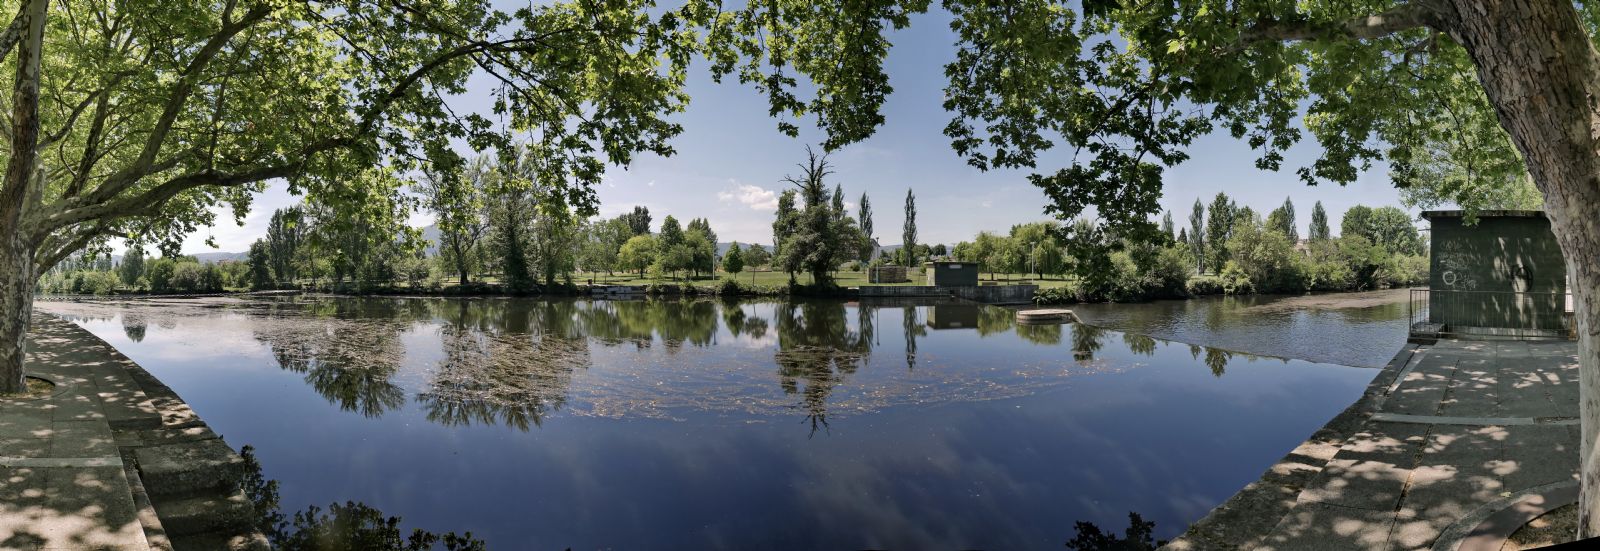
(1542,74)
(17,279)
(17,263)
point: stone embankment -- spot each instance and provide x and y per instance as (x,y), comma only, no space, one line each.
(113,459)
(1452,447)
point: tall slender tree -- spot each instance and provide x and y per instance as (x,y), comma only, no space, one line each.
(132,267)
(864,220)
(1319,223)
(285,232)
(1218,227)
(638,220)
(1167,227)
(1197,235)
(908,233)
(1281,220)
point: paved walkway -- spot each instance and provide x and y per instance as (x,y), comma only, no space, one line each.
(62,482)
(1452,447)
(74,465)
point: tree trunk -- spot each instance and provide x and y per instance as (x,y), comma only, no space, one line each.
(1542,75)
(16,302)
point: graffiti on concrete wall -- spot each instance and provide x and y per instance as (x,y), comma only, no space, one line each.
(1456,266)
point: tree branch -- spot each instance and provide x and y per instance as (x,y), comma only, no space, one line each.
(150,202)
(13,32)
(1411,15)
(130,175)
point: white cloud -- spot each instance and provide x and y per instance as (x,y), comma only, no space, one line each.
(751,196)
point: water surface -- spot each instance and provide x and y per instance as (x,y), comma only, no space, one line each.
(547,424)
(1359,329)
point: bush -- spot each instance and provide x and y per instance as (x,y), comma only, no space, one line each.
(1234,280)
(1330,274)
(1067,294)
(1202,285)
(1168,275)
(187,277)
(96,283)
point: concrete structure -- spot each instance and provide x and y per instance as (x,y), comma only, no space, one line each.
(944,273)
(1452,447)
(953,316)
(988,294)
(113,459)
(1502,276)
(887,274)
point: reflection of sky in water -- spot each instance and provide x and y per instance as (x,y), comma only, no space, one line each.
(1359,329)
(705,424)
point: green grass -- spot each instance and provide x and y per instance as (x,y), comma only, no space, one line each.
(765,278)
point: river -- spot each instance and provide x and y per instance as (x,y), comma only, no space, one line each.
(747,424)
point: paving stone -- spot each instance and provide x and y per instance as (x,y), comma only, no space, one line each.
(1463,445)
(1396,443)
(1320,526)
(1364,484)
(82,439)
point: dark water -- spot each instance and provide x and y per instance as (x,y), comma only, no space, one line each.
(1359,329)
(705,424)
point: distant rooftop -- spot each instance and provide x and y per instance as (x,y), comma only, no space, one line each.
(1431,214)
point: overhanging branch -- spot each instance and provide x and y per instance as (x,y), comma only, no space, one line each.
(1411,15)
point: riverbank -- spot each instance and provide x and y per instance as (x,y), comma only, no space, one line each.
(1452,446)
(112,458)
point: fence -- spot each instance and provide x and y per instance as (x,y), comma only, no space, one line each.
(1507,313)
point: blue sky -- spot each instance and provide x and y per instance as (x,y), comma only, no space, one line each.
(731,160)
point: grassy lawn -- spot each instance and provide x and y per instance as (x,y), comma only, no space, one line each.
(766,278)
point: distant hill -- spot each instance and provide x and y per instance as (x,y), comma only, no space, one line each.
(215,257)
(722,248)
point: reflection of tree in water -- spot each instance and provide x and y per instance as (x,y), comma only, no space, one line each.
(134,327)
(352,525)
(1086,341)
(349,362)
(1139,344)
(511,364)
(639,321)
(817,348)
(740,323)
(914,329)
(1217,359)
(1046,334)
(992,320)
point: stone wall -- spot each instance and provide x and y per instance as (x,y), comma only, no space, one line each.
(988,294)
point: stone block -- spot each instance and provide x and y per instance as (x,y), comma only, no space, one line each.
(189,467)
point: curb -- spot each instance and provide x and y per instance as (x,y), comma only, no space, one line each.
(1487,527)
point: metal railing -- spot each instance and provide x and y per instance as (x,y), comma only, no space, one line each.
(1508,313)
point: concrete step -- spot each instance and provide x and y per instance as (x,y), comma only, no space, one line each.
(222,541)
(205,514)
(189,468)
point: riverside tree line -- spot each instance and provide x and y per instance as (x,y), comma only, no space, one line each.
(1225,248)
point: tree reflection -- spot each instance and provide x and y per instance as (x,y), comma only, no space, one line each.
(1046,334)
(817,348)
(134,327)
(511,364)
(351,363)
(1086,341)
(913,330)
(1217,359)
(1139,344)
